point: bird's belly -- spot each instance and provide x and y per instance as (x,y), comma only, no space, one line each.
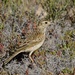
(35,47)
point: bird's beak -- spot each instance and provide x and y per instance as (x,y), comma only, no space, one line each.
(49,23)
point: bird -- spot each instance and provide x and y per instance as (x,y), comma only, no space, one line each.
(34,41)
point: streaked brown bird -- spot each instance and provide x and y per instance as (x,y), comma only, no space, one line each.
(34,42)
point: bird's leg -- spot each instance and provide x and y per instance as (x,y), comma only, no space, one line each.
(30,54)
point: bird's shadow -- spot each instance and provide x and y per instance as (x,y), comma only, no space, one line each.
(21,56)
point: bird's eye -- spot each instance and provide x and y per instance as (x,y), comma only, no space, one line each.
(45,22)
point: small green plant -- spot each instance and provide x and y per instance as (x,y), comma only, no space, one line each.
(67,70)
(1,26)
(56,7)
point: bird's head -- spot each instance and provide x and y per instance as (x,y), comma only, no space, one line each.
(43,25)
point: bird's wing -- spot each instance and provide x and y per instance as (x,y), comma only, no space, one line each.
(31,43)
(32,38)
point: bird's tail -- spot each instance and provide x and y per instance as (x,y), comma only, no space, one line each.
(11,57)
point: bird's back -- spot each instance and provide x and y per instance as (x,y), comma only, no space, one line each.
(32,40)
